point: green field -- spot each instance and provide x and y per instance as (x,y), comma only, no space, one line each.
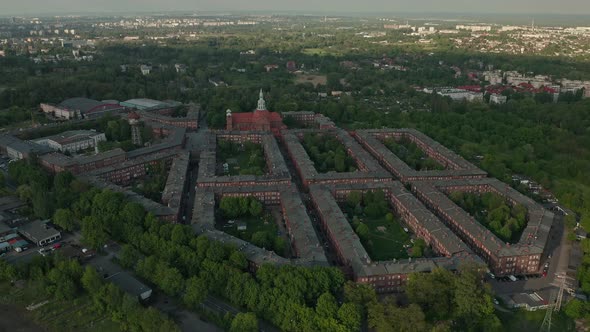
(75,315)
(386,239)
(260,231)
(253,225)
(530,321)
(246,159)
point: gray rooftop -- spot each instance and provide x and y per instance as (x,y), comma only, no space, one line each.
(368,168)
(129,284)
(176,182)
(457,167)
(301,230)
(539,220)
(156,208)
(37,230)
(85,105)
(277,168)
(351,248)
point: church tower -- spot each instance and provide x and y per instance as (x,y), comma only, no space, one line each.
(228,120)
(261,102)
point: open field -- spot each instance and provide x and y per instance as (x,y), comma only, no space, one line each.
(530,321)
(385,240)
(75,315)
(253,225)
(313,79)
(241,160)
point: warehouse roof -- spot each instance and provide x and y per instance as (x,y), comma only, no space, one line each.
(146,104)
(85,105)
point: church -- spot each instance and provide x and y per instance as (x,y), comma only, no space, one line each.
(259,120)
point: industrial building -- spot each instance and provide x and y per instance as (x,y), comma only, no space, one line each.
(144,104)
(72,141)
(78,108)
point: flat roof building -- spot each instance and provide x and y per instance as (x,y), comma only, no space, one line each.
(130,285)
(148,104)
(80,108)
(39,232)
(73,140)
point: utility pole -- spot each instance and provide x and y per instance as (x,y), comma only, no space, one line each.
(546,326)
(554,304)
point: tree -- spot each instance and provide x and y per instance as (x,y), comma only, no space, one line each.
(261,239)
(65,219)
(433,292)
(326,305)
(238,260)
(362,231)
(195,291)
(350,315)
(93,232)
(472,299)
(244,322)
(42,203)
(354,198)
(575,309)
(360,294)
(128,256)
(7,271)
(91,281)
(255,208)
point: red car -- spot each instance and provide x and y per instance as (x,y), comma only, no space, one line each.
(57,246)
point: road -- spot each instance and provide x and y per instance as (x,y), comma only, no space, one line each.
(558,250)
(187,320)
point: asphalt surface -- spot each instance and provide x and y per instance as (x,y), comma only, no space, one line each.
(558,249)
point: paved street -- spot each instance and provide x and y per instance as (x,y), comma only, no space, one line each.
(558,263)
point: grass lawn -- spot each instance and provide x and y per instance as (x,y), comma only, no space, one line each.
(242,160)
(313,79)
(253,225)
(386,239)
(75,315)
(525,321)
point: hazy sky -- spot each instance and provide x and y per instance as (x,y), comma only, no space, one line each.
(10,7)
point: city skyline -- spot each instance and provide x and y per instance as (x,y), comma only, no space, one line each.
(525,7)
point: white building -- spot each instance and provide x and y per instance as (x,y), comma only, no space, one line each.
(474,28)
(145,69)
(457,94)
(498,99)
(72,141)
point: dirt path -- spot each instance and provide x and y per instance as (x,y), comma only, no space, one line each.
(13,319)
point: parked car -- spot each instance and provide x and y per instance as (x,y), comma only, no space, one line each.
(512,278)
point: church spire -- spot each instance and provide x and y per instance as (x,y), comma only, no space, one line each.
(261,102)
